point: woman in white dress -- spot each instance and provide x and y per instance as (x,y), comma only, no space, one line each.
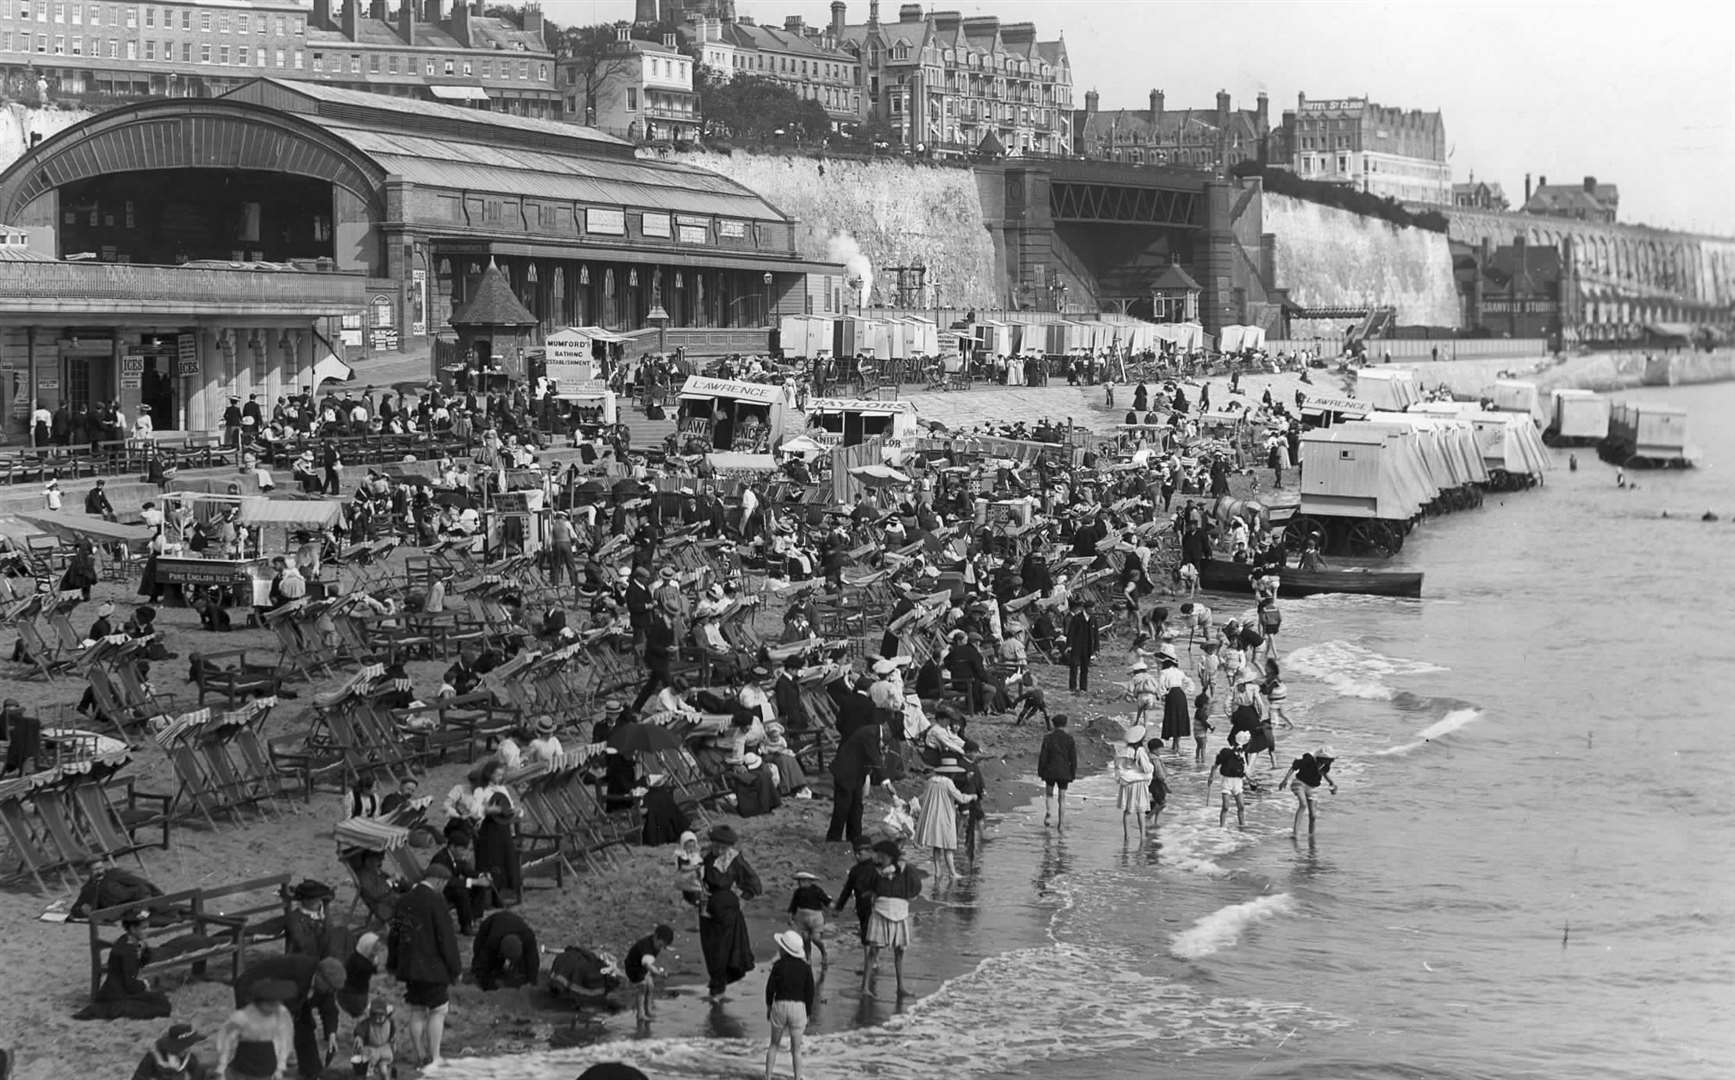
(1133,771)
(937,826)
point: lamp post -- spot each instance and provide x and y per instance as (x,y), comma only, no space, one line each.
(767,279)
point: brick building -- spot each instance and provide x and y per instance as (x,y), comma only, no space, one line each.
(1372,148)
(1213,140)
(1587,201)
(951,84)
(103,53)
(809,61)
(642,91)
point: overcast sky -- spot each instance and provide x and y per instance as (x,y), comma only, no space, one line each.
(1641,95)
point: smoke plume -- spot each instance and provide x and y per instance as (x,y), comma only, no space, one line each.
(842,248)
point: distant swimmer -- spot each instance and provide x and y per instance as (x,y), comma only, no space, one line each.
(1620,478)
(1572,463)
(1707,516)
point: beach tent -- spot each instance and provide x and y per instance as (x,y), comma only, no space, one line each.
(1393,389)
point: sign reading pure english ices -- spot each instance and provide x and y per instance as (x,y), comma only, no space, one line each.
(186,354)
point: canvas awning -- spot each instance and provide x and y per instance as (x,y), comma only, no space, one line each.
(459,93)
(734,461)
(94,529)
(291,513)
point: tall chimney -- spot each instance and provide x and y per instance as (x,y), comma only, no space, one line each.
(352,19)
(322,14)
(671,40)
(1526,187)
(873,12)
(377,10)
(794,24)
(1300,101)
(1222,109)
(623,33)
(645,11)
(1091,97)
(407,21)
(460,25)
(1262,114)
(533,18)
(910,13)
(1590,185)
(1156,107)
(839,10)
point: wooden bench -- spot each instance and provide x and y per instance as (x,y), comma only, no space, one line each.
(221,922)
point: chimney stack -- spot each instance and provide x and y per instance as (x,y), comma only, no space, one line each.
(1262,114)
(322,14)
(794,24)
(407,21)
(1091,97)
(671,40)
(645,11)
(1156,107)
(623,33)
(873,12)
(533,18)
(1590,185)
(910,13)
(1222,109)
(352,19)
(459,27)
(839,10)
(377,10)
(1526,187)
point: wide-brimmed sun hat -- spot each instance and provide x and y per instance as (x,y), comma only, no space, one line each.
(1135,735)
(1141,666)
(949,765)
(791,943)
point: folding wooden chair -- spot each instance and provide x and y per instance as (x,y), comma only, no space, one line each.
(45,659)
(115,828)
(31,847)
(56,817)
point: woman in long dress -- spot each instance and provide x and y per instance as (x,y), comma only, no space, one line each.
(1173,685)
(937,827)
(723,934)
(1133,771)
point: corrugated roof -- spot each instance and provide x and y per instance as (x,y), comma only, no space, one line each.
(20,253)
(480,120)
(610,181)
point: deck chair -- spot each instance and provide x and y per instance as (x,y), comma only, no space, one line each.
(74,851)
(145,701)
(115,828)
(35,854)
(238,682)
(45,659)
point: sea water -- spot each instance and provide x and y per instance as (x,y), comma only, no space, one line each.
(1527,871)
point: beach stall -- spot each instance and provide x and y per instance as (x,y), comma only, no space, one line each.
(854,419)
(1392,389)
(733,415)
(576,361)
(1647,436)
(1576,418)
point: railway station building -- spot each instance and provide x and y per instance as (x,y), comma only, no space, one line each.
(249,236)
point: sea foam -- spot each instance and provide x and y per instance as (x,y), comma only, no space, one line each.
(1222,928)
(1353,670)
(1447,724)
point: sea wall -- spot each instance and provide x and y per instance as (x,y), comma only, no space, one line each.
(895,212)
(19,122)
(1328,257)
(1600,371)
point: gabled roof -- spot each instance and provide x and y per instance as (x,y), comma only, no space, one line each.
(493,304)
(1573,198)
(1175,279)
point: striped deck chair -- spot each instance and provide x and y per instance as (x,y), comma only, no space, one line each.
(114,829)
(46,659)
(179,741)
(74,851)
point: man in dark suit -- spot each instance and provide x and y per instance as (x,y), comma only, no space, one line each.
(424,957)
(1081,645)
(96,503)
(787,696)
(855,709)
(858,759)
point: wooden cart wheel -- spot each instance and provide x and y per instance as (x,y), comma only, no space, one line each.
(1374,537)
(1300,530)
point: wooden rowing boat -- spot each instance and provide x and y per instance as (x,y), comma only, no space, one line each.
(1220,575)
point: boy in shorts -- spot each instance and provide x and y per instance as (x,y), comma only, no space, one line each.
(807,914)
(1056,767)
(789,993)
(1233,765)
(642,970)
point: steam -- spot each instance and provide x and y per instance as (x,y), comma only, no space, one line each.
(842,248)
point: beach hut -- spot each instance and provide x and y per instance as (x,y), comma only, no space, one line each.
(1361,484)
(1392,389)
(1647,436)
(1511,395)
(733,415)
(1511,448)
(1576,418)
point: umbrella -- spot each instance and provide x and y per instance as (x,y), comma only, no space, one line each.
(637,738)
(878,475)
